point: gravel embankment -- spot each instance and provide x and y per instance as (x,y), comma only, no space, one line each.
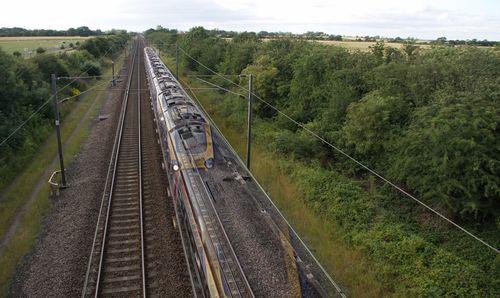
(57,265)
(163,243)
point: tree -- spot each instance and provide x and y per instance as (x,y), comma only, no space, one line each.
(449,155)
(265,83)
(373,124)
(378,50)
(40,50)
(410,49)
(92,68)
(50,64)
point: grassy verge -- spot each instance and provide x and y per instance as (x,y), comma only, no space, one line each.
(345,264)
(372,241)
(22,186)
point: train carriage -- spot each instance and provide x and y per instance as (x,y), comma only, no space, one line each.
(186,141)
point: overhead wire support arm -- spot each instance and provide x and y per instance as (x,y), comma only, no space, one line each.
(249,121)
(176,61)
(220,88)
(73,79)
(405,193)
(58,131)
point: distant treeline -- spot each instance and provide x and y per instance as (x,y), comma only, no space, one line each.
(472,42)
(80,31)
(311,35)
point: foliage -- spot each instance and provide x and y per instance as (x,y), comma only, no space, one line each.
(92,68)
(105,46)
(25,86)
(447,155)
(377,106)
(80,31)
(426,119)
(40,50)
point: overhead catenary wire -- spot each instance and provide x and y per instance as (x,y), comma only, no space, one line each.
(337,287)
(83,92)
(380,176)
(88,68)
(220,87)
(48,100)
(25,121)
(41,107)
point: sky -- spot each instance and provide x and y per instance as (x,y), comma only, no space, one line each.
(423,19)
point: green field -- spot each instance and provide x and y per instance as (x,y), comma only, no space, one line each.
(28,45)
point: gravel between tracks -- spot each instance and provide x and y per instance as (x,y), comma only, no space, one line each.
(172,276)
(56,266)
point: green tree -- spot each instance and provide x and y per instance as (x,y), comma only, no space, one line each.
(449,155)
(40,50)
(373,124)
(265,83)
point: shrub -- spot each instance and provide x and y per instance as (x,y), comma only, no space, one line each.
(92,68)
(40,50)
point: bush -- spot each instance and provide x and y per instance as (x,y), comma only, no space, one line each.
(92,68)
(40,50)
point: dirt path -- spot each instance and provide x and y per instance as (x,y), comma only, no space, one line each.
(49,271)
(20,214)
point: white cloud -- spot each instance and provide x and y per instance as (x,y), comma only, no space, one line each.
(419,18)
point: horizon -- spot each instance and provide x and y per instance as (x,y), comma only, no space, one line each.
(246,31)
(423,19)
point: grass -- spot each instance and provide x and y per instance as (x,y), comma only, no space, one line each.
(363,46)
(346,265)
(27,232)
(28,45)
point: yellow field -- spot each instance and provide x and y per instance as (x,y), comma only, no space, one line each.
(360,45)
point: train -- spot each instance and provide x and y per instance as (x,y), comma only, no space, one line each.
(186,141)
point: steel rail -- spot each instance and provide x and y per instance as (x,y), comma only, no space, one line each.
(140,173)
(103,244)
(110,170)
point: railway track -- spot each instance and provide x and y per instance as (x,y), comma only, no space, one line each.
(117,265)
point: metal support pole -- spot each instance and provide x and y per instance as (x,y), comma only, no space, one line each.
(249,128)
(58,131)
(113,68)
(176,61)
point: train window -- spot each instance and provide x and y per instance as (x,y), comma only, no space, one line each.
(187,135)
(197,129)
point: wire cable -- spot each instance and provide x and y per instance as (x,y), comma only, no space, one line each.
(381,177)
(212,71)
(337,287)
(86,91)
(25,121)
(51,97)
(220,87)
(41,107)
